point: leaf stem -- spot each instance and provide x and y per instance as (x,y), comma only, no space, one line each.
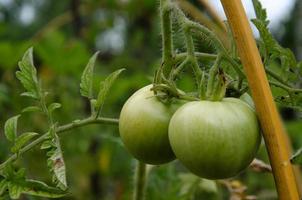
(140,180)
(59,129)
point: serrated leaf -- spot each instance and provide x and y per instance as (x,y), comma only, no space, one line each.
(10,128)
(28,75)
(53,106)
(86,85)
(104,89)
(260,11)
(55,160)
(41,189)
(32,109)
(32,187)
(297,157)
(22,140)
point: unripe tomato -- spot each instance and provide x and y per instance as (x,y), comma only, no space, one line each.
(215,139)
(143,126)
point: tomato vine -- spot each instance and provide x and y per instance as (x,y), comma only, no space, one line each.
(224,75)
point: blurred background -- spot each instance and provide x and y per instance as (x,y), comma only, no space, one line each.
(64,35)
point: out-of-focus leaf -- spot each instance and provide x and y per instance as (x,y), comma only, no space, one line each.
(297,157)
(10,128)
(32,109)
(53,106)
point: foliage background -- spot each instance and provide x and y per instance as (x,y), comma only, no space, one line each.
(64,35)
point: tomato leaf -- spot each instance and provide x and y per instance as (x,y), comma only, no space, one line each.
(10,128)
(28,75)
(55,161)
(53,106)
(86,85)
(32,109)
(22,140)
(15,183)
(3,186)
(104,89)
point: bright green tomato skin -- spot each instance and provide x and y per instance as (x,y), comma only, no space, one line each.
(215,140)
(143,126)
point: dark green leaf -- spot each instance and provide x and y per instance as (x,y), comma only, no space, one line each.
(22,140)
(104,89)
(86,84)
(10,128)
(28,75)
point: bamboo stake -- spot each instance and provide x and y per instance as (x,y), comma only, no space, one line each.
(273,130)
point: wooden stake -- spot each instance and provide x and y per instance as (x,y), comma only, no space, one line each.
(273,130)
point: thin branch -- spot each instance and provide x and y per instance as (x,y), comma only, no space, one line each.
(60,129)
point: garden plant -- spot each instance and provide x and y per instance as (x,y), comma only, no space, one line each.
(212,129)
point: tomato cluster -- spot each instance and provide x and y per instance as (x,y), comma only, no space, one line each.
(213,139)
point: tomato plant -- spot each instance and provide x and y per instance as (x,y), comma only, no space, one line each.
(208,129)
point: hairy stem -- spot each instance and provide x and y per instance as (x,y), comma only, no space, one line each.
(140,180)
(59,129)
(167,43)
(198,55)
(212,75)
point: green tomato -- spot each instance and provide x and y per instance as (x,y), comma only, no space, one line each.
(143,126)
(215,139)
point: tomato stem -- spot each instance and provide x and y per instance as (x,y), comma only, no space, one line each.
(63,128)
(140,180)
(167,43)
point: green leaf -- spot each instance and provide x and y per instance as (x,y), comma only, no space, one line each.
(37,188)
(55,161)
(260,12)
(53,106)
(3,186)
(32,109)
(47,144)
(28,75)
(10,128)
(104,89)
(14,190)
(22,140)
(297,157)
(86,85)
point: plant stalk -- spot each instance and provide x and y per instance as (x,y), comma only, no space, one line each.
(59,129)
(140,180)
